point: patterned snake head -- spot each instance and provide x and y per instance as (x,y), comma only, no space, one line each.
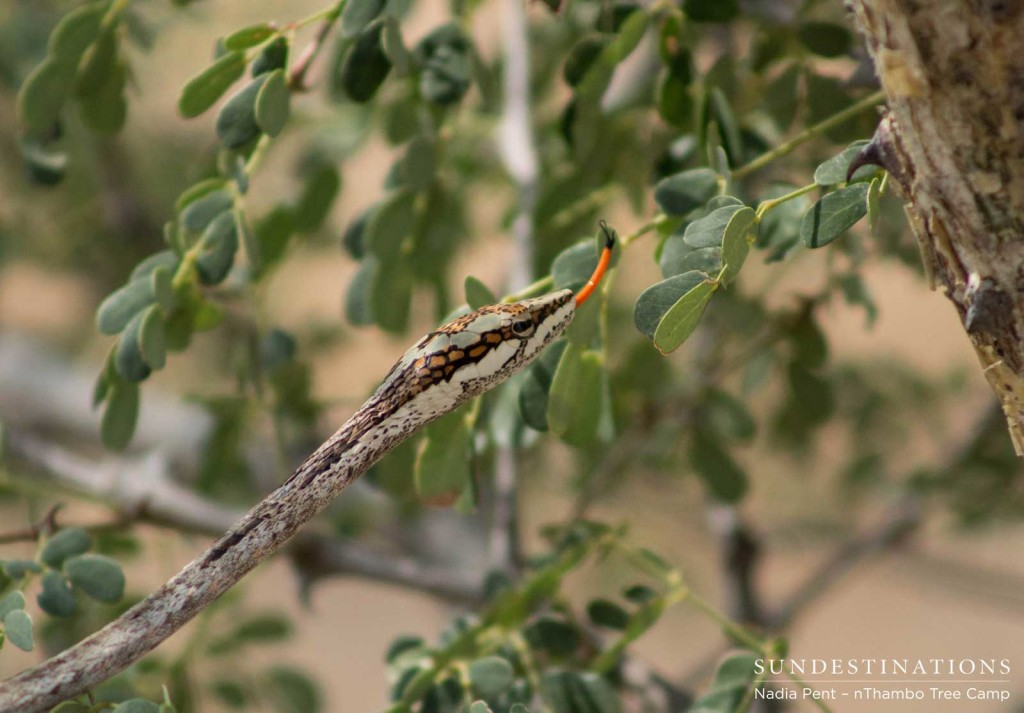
(472,353)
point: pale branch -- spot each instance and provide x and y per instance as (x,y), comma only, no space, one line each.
(143,491)
(46,524)
(952,143)
(518,150)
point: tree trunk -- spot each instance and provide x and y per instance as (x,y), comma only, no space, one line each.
(953,142)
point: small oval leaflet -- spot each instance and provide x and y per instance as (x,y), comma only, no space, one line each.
(217,249)
(236,121)
(96,575)
(118,422)
(249,36)
(709,231)
(18,628)
(153,338)
(682,192)
(273,103)
(833,215)
(477,293)
(656,300)
(56,599)
(682,318)
(128,357)
(740,234)
(202,91)
(490,675)
(76,31)
(68,542)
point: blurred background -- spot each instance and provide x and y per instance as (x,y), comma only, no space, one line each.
(887,525)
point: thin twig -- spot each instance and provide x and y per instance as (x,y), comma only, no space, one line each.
(45,525)
(297,75)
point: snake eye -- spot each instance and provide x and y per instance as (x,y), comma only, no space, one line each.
(522,327)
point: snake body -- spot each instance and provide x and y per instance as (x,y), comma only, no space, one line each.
(452,364)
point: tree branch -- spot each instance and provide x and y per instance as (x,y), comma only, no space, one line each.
(952,142)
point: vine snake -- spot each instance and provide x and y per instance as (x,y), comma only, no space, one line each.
(462,359)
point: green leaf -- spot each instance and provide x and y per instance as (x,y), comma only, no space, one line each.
(445,65)
(264,628)
(391,223)
(833,215)
(102,105)
(12,600)
(16,569)
(711,10)
(273,56)
(709,231)
(394,47)
(121,306)
(480,707)
(675,104)
(557,637)
(68,542)
(358,309)
(98,576)
(18,629)
(390,296)
(442,469)
(834,170)
(318,194)
(599,72)
(604,612)
(162,281)
(825,38)
(236,120)
(682,318)
(640,594)
(291,691)
(490,676)
(417,169)
(273,103)
(477,293)
(533,394)
(682,192)
(656,300)
(200,211)
(128,357)
(153,338)
(197,191)
(217,249)
(401,645)
(577,395)
(366,64)
(249,37)
(202,91)
(231,693)
(72,707)
(118,423)
(43,94)
(725,479)
(272,234)
(75,32)
(56,598)
(358,14)
(136,705)
(740,234)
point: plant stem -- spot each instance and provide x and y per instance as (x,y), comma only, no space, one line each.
(807,134)
(767,205)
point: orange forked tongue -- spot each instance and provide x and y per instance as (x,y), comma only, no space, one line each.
(602,265)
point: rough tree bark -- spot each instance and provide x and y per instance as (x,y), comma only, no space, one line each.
(953,142)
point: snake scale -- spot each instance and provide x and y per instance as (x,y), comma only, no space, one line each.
(460,360)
